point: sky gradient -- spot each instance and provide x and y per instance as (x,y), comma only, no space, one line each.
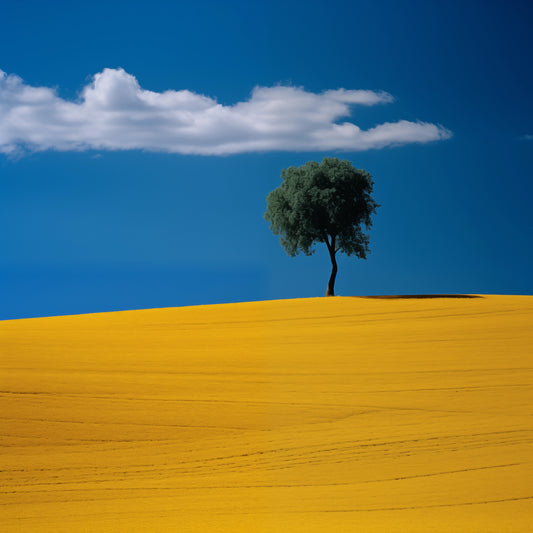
(152,194)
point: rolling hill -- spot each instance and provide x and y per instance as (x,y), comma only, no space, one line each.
(397,414)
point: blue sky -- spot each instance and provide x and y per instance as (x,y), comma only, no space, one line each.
(102,209)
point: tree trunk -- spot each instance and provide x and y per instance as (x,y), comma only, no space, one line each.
(331,284)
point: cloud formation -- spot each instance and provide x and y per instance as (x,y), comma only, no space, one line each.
(114,113)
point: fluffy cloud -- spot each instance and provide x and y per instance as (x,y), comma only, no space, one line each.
(114,113)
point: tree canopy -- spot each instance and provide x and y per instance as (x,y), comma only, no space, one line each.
(329,202)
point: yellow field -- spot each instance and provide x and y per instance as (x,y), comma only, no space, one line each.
(337,414)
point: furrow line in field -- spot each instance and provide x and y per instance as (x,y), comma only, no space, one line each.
(246,486)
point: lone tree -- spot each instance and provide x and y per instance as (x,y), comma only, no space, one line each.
(328,202)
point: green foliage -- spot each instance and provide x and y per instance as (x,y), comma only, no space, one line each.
(329,202)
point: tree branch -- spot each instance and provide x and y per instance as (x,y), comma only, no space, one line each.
(332,248)
(325,236)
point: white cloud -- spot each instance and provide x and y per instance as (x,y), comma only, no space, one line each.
(114,113)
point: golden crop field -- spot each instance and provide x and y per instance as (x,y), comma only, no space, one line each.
(324,414)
